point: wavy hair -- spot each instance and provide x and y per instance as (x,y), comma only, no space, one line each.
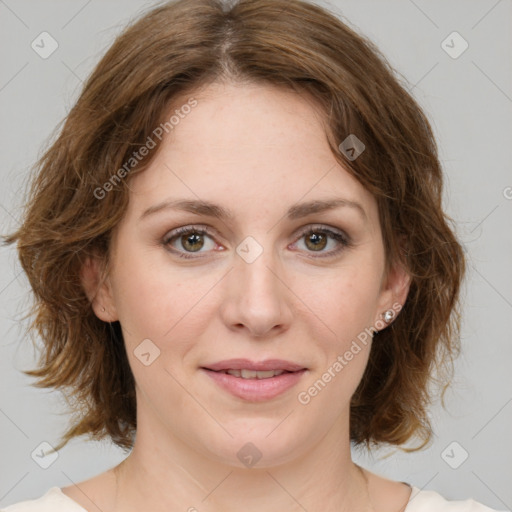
(169,52)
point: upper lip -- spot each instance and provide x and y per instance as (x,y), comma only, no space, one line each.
(247,364)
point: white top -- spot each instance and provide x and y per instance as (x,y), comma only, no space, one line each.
(420,501)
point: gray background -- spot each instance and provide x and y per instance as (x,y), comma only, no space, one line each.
(469,101)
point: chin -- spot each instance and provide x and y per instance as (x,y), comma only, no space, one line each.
(259,444)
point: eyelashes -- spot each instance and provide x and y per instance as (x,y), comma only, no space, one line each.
(194,238)
(189,235)
(311,236)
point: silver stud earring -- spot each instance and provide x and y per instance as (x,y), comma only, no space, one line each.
(389,315)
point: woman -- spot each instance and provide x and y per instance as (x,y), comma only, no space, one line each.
(241,265)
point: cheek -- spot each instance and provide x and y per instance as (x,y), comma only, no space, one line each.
(141,302)
(342,311)
(343,301)
(159,302)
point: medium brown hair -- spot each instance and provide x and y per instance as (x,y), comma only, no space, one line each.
(168,53)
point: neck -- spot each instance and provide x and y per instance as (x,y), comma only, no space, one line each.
(163,472)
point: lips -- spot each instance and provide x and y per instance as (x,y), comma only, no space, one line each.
(255,381)
(247,364)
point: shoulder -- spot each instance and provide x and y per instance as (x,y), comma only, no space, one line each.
(428,501)
(54,500)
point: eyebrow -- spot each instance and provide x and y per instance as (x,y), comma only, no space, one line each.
(296,211)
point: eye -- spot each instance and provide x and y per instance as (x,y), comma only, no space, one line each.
(317,238)
(190,239)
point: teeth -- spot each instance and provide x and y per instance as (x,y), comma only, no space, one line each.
(252,374)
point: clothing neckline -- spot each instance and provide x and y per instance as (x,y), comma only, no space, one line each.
(408,508)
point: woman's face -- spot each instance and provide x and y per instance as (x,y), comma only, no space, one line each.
(277,277)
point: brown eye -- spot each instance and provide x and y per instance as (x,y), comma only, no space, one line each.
(187,240)
(317,239)
(193,242)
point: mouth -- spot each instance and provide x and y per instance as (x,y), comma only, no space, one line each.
(255,381)
(252,374)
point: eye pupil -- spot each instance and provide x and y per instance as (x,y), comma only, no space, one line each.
(319,241)
(192,239)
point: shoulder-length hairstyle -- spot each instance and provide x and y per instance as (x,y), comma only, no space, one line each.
(79,194)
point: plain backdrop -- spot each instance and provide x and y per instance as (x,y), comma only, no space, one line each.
(468,98)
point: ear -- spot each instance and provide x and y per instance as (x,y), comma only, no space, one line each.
(96,284)
(394,290)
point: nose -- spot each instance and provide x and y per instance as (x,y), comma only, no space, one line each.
(256,297)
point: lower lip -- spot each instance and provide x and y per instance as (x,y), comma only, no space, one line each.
(255,390)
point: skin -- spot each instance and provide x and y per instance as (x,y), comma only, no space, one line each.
(256,150)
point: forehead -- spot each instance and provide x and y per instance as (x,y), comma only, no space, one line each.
(250,145)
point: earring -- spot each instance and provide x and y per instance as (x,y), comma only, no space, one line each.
(103,309)
(389,315)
